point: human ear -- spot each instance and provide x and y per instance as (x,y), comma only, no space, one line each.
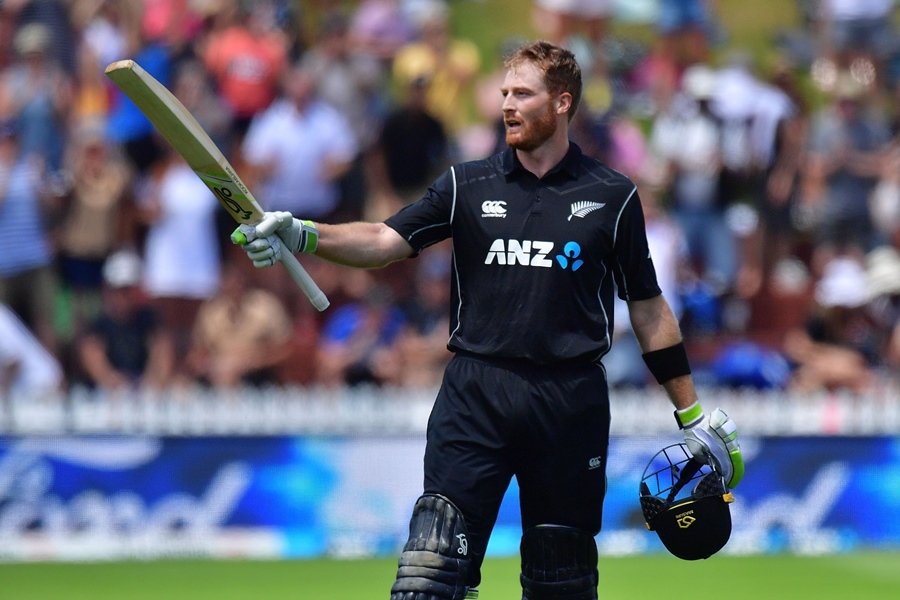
(563,103)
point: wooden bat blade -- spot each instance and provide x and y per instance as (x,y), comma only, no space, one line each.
(179,127)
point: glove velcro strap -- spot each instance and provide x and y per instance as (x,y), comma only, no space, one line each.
(690,416)
(309,237)
(668,363)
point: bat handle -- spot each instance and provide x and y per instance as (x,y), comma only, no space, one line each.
(304,281)
(245,233)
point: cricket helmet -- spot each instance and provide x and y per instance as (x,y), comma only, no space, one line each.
(686,503)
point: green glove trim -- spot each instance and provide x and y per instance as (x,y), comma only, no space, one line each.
(309,241)
(689,416)
(737,461)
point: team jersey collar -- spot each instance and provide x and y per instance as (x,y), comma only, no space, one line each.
(568,165)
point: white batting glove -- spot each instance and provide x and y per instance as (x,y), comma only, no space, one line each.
(713,439)
(265,241)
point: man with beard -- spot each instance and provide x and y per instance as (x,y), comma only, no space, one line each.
(541,234)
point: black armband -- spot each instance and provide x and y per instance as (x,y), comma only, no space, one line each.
(668,363)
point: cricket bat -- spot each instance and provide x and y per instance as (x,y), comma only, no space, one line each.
(188,138)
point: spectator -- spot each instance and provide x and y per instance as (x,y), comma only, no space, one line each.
(885,200)
(27,278)
(781,195)
(422,341)
(748,110)
(349,80)
(246,55)
(357,342)
(838,347)
(856,34)
(580,25)
(450,62)
(241,336)
(411,149)
(93,220)
(685,29)
(126,347)
(846,145)
(41,93)
(688,139)
(299,143)
(745,108)
(193,87)
(179,278)
(174,24)
(126,125)
(379,28)
(89,87)
(108,30)
(355,84)
(883,276)
(53,17)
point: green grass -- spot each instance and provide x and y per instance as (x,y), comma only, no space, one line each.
(863,576)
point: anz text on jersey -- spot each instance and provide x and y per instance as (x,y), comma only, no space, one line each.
(533,253)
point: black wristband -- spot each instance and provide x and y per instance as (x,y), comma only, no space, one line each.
(668,363)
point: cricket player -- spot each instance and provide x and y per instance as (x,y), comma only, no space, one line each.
(542,238)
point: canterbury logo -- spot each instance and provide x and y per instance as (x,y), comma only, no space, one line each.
(584,208)
(493,208)
(594,463)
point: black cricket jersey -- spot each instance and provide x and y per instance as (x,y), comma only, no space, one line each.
(535,261)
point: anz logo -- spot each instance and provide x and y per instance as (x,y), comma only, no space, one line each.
(514,252)
(533,253)
(569,257)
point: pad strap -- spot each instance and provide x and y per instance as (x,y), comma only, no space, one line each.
(558,563)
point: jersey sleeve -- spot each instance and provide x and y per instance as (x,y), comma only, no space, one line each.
(632,264)
(427,221)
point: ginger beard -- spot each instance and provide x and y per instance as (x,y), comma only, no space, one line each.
(527,132)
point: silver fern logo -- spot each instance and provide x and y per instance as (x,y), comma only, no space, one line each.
(584,208)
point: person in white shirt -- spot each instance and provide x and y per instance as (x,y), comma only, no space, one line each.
(300,143)
(179,278)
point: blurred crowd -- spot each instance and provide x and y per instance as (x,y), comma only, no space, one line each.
(771,189)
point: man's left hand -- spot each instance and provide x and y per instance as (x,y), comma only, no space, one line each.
(713,439)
